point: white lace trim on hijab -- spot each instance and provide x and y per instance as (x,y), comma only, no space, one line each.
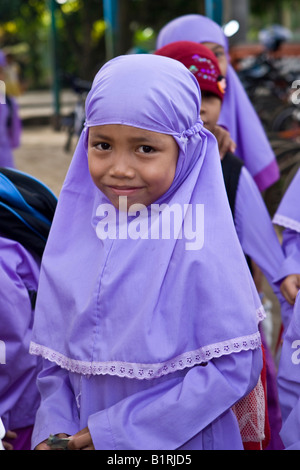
(150,371)
(286,222)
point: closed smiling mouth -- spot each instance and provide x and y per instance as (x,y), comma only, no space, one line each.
(124,190)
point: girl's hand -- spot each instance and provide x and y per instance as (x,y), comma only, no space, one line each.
(81,441)
(225,142)
(44,446)
(290,287)
(9,435)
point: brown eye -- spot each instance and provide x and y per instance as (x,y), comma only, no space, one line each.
(146,149)
(103,146)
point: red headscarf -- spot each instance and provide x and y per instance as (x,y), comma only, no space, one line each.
(201,61)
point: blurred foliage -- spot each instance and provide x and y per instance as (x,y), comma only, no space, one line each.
(9,10)
(260,8)
(25,30)
(285,12)
(80,36)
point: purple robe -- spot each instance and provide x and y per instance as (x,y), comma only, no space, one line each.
(159,342)
(289,382)
(124,413)
(288,212)
(258,237)
(259,241)
(10,125)
(19,397)
(288,217)
(255,230)
(237,114)
(9,134)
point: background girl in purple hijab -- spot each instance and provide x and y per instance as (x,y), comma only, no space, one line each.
(149,341)
(288,217)
(289,382)
(237,114)
(10,123)
(26,210)
(19,396)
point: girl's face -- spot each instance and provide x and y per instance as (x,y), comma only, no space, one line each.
(132,162)
(210,110)
(220,54)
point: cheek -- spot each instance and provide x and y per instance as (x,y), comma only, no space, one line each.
(96,167)
(217,111)
(223,65)
(167,174)
(160,178)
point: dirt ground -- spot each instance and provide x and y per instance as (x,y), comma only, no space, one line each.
(42,155)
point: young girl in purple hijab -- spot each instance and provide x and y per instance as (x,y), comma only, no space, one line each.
(237,114)
(10,123)
(147,316)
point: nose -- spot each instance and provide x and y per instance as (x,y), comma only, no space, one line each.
(121,166)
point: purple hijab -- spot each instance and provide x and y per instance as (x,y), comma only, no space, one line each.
(237,114)
(10,137)
(288,212)
(145,307)
(3,61)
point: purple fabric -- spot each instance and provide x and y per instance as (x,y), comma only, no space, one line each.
(259,241)
(288,212)
(289,383)
(19,397)
(274,411)
(134,321)
(255,230)
(177,411)
(3,60)
(238,114)
(288,216)
(291,249)
(15,129)
(9,136)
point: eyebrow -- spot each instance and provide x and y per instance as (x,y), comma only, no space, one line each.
(137,139)
(144,139)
